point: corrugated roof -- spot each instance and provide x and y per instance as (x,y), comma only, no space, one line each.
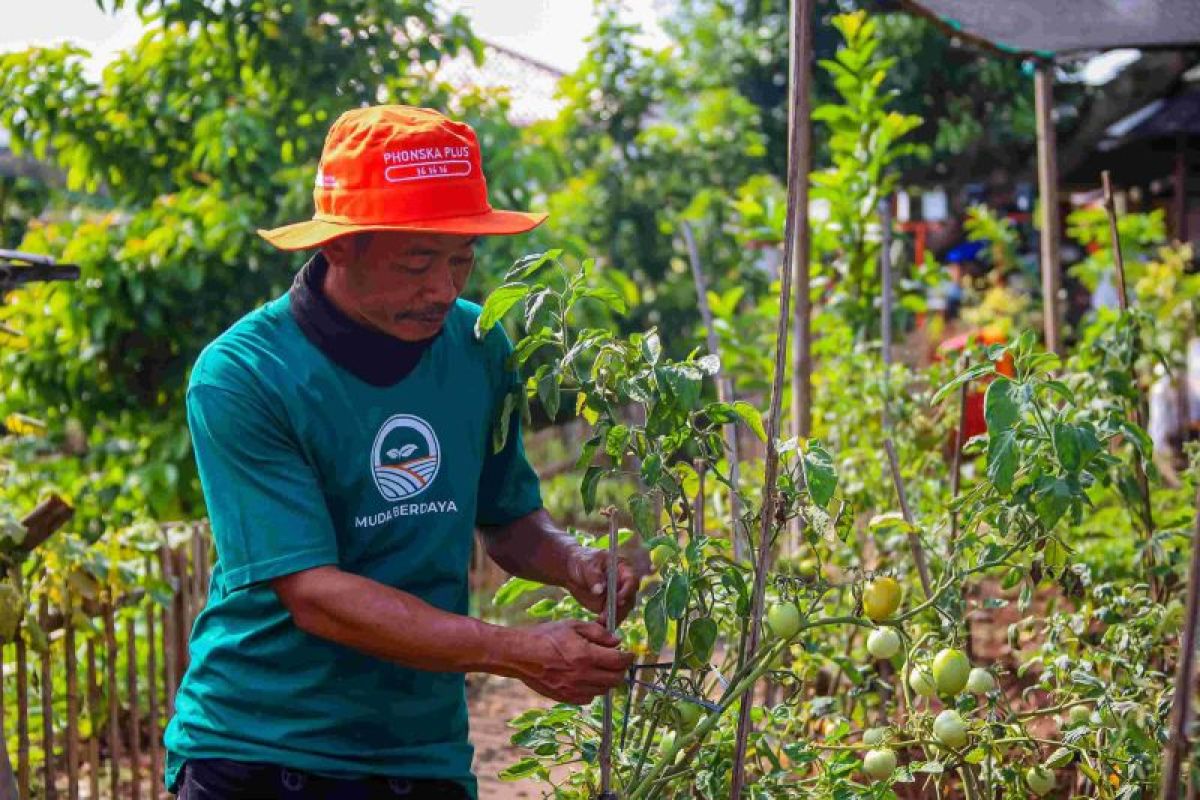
(1047,27)
(531,85)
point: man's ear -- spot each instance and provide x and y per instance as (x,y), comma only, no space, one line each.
(341,251)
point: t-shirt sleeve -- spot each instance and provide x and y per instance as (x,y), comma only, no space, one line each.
(508,487)
(265,506)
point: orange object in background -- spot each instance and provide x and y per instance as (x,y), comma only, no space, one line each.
(974,422)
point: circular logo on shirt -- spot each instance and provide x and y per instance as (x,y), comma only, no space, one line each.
(405,457)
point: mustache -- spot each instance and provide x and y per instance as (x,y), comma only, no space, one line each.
(427,314)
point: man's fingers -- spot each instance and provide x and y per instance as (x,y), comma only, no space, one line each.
(609,658)
(597,634)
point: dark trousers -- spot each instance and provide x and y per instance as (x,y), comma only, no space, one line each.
(220,779)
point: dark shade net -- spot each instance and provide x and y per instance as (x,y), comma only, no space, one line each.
(1061,26)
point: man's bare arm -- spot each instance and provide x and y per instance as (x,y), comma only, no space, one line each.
(533,547)
(569,661)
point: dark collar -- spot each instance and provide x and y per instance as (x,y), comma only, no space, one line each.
(374,357)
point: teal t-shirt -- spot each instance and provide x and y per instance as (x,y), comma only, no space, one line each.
(303,465)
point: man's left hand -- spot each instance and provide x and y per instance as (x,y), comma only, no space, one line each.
(588,583)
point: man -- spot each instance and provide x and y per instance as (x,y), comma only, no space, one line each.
(343,438)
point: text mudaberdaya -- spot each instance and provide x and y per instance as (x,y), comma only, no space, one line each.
(406,510)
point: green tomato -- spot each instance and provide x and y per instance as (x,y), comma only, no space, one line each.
(921,681)
(662,555)
(980,681)
(873,737)
(784,620)
(883,643)
(881,598)
(950,730)
(686,715)
(1078,715)
(950,671)
(1040,779)
(879,764)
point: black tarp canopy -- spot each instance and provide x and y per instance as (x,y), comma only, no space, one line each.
(1049,27)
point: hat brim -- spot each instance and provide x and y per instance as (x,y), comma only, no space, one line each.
(316,232)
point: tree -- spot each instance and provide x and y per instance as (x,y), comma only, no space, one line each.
(208,128)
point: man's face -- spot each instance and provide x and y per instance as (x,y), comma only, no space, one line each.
(403,284)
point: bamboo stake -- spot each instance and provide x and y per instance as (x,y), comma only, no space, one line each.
(1178,746)
(801,123)
(8,780)
(183,614)
(606,740)
(22,716)
(1047,141)
(169,665)
(72,705)
(114,707)
(1139,472)
(131,689)
(801,18)
(152,681)
(725,394)
(885,268)
(93,707)
(960,439)
(47,690)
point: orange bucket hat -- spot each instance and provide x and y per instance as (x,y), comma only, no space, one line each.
(399,168)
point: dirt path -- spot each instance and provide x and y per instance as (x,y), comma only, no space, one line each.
(492,705)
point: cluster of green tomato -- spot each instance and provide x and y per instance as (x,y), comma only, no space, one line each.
(949,674)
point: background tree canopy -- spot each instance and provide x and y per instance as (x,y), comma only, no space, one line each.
(211,127)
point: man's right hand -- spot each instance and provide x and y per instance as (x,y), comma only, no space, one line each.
(571,661)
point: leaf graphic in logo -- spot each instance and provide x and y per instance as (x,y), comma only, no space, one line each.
(403,452)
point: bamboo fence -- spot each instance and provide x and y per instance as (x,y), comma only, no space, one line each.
(85,715)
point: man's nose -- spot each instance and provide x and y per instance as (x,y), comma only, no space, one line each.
(441,288)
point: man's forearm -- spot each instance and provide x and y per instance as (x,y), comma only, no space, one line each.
(397,626)
(533,547)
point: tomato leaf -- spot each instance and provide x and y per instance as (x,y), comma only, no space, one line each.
(1002,459)
(1001,407)
(675,600)
(656,622)
(498,304)
(820,474)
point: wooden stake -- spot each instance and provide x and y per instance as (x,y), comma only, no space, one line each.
(8,780)
(50,515)
(914,541)
(72,704)
(93,709)
(170,665)
(725,394)
(960,439)
(1178,746)
(1048,192)
(152,644)
(114,705)
(801,18)
(1139,472)
(131,690)
(47,689)
(22,716)
(606,740)
(800,124)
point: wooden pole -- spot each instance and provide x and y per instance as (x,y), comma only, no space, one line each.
(1139,472)
(960,439)
(8,780)
(93,709)
(22,716)
(170,665)
(114,705)
(131,690)
(610,619)
(47,689)
(72,744)
(725,394)
(152,644)
(801,16)
(1180,189)
(1177,747)
(50,515)
(800,264)
(1048,191)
